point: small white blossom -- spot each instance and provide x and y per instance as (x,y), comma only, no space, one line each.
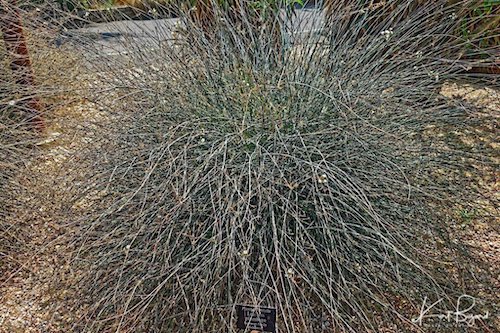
(387,34)
(323,179)
(12,103)
(433,75)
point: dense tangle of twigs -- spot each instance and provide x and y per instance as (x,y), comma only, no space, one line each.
(282,161)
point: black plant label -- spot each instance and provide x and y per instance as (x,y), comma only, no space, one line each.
(258,318)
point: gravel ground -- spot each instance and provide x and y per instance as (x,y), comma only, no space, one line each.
(30,301)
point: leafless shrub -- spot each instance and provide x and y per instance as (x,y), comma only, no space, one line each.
(296,173)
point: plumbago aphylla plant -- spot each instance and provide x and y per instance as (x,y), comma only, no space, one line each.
(302,175)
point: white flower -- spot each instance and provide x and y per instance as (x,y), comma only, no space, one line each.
(387,34)
(453,16)
(323,179)
(434,75)
(12,103)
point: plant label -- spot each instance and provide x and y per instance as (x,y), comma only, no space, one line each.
(256,318)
